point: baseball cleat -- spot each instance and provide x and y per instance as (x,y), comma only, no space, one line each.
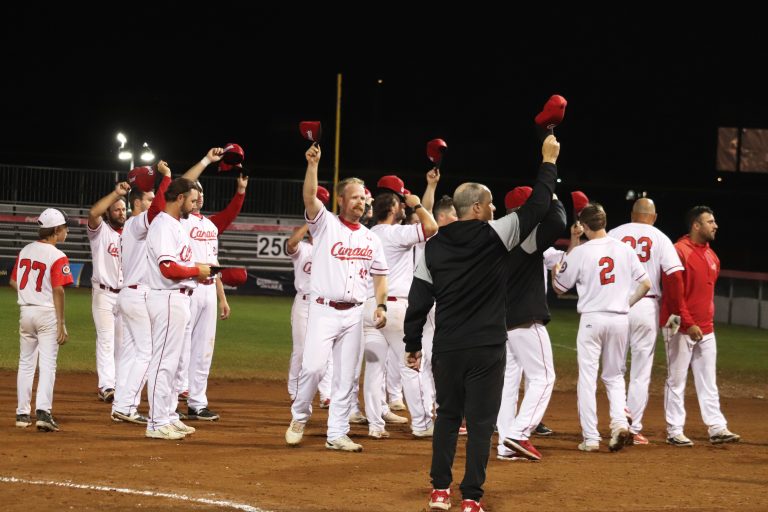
(396,405)
(184,396)
(679,440)
(136,418)
(203,414)
(391,417)
(424,433)
(522,448)
(325,403)
(45,422)
(639,439)
(589,447)
(543,430)
(619,438)
(358,419)
(378,434)
(440,499)
(724,436)
(23,420)
(107,395)
(181,427)
(294,433)
(471,506)
(463,430)
(512,458)
(344,444)
(166,432)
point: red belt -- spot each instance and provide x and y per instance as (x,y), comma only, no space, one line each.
(105,287)
(133,286)
(391,299)
(341,306)
(305,296)
(186,291)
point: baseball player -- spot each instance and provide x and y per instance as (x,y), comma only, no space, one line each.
(39,276)
(200,338)
(398,241)
(605,272)
(345,255)
(300,252)
(105,223)
(657,254)
(528,347)
(132,300)
(172,278)
(694,345)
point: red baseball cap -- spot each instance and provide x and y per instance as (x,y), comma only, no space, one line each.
(311,130)
(234,276)
(233,157)
(580,200)
(517,197)
(323,195)
(142,177)
(553,112)
(392,183)
(435,150)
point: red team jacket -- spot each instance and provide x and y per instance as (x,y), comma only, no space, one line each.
(702,267)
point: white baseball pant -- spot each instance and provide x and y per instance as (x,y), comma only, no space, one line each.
(201,336)
(601,334)
(337,332)
(643,329)
(37,338)
(299,316)
(169,315)
(531,352)
(513,374)
(394,380)
(378,342)
(137,341)
(427,379)
(109,334)
(702,361)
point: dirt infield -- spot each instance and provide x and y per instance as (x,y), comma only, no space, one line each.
(242,461)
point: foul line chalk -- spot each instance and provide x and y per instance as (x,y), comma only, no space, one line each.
(168,495)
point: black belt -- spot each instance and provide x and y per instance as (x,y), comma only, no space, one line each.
(341,306)
(305,296)
(105,287)
(651,296)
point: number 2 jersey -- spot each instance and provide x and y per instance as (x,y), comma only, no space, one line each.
(39,268)
(605,273)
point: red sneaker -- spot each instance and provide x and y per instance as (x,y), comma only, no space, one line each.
(440,499)
(471,506)
(523,447)
(639,439)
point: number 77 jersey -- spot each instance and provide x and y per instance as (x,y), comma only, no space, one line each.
(39,268)
(654,249)
(605,273)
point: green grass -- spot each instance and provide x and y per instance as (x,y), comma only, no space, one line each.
(256,343)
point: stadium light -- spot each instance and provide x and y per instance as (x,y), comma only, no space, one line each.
(146,153)
(126,153)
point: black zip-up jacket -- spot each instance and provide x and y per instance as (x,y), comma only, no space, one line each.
(464,270)
(526,295)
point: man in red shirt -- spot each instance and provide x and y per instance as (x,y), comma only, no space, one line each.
(688,303)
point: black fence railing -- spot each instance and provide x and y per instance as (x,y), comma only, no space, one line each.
(83,187)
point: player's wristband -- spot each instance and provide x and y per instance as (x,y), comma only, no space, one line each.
(382,306)
(418,206)
(205,161)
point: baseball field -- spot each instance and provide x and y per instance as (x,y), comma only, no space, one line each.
(242,463)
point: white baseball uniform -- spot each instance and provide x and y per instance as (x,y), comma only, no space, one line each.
(657,254)
(344,257)
(38,269)
(169,312)
(132,304)
(107,280)
(302,270)
(398,242)
(605,272)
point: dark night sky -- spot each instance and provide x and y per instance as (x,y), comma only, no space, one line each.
(646,95)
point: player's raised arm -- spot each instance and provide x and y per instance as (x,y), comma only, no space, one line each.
(311,203)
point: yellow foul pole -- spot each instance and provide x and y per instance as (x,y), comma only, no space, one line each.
(338,140)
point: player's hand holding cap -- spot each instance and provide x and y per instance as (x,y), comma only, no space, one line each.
(143,178)
(311,130)
(233,157)
(436,150)
(553,112)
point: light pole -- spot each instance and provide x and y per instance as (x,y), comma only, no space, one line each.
(126,153)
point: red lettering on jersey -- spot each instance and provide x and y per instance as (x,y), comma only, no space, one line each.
(348,253)
(113,250)
(308,267)
(644,245)
(606,277)
(186,253)
(32,265)
(200,234)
